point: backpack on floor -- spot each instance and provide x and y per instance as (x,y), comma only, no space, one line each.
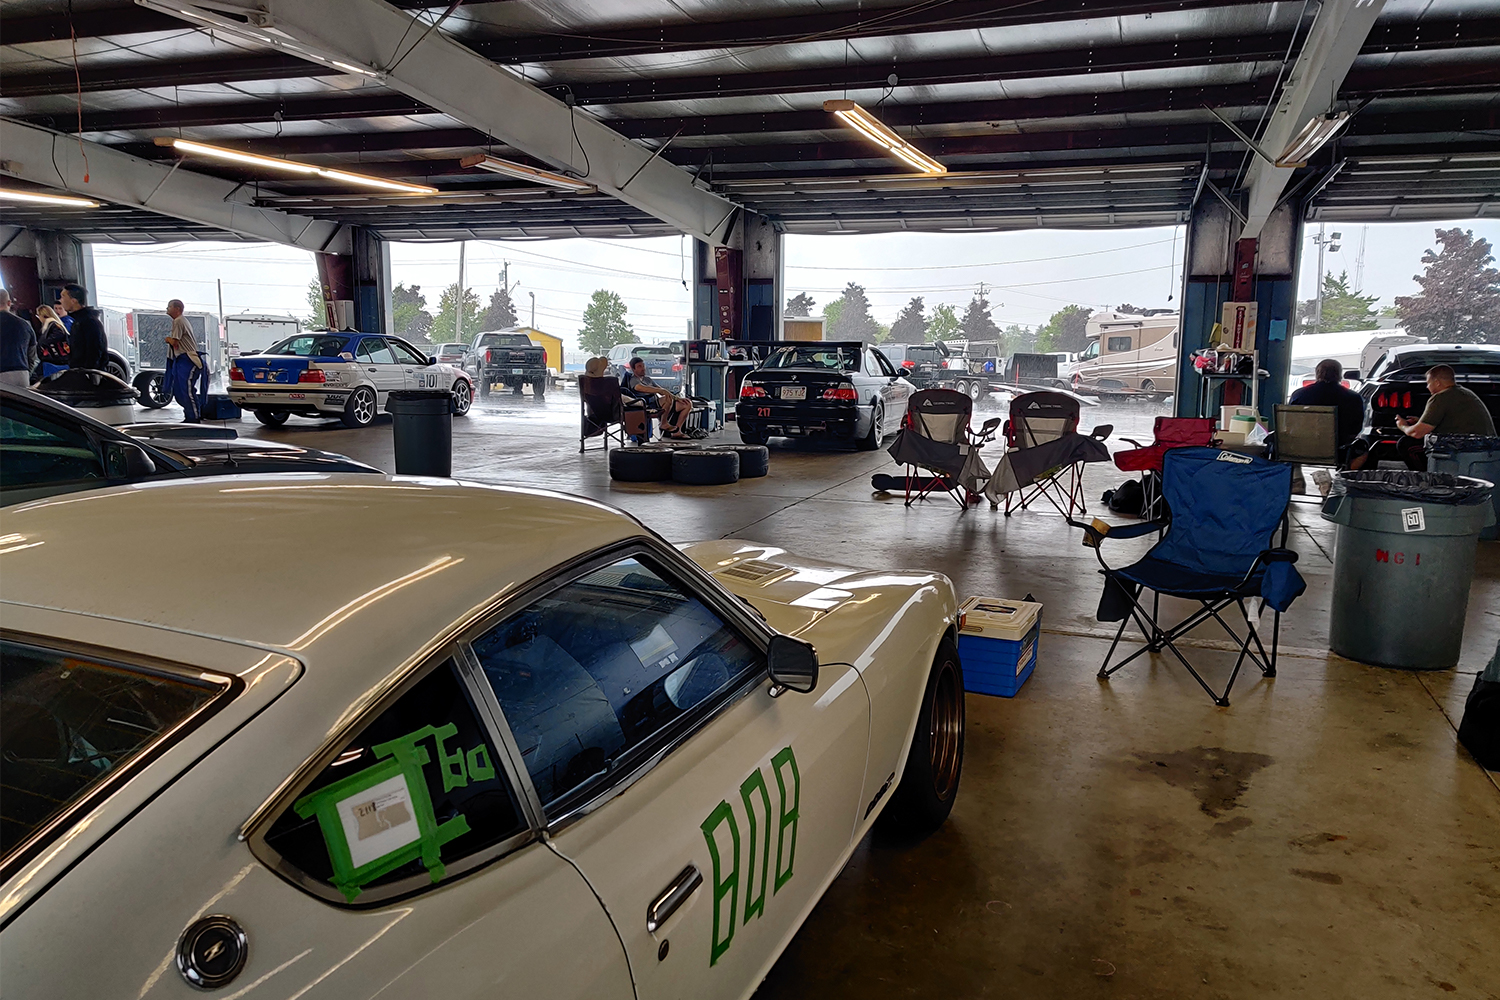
(1479,730)
(1127,498)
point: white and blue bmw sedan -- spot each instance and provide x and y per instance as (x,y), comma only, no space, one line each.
(570,761)
(343,375)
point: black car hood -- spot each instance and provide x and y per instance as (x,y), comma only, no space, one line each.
(218,456)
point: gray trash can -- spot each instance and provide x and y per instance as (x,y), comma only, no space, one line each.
(1468,455)
(422,424)
(1403,561)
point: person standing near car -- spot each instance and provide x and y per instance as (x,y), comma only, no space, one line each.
(17,345)
(183,362)
(52,342)
(88,347)
(1451,409)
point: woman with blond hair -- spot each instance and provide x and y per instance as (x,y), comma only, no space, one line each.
(52,342)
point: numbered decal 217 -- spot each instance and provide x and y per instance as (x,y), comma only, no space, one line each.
(742,890)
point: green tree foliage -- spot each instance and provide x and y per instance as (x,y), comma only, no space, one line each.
(831,317)
(800,304)
(1460,297)
(501,312)
(445,323)
(317,318)
(1343,309)
(1066,330)
(978,324)
(409,315)
(853,320)
(604,323)
(1019,339)
(882,333)
(944,324)
(911,323)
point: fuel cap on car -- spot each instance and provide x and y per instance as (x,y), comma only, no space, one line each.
(212,952)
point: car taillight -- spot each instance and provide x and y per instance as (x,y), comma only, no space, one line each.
(908,364)
(1406,400)
(841,392)
(489,357)
(676,366)
(312,375)
(235,375)
(749,391)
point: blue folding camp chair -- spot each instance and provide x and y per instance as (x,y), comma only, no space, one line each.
(1219,549)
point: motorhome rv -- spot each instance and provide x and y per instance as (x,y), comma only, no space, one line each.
(1128,353)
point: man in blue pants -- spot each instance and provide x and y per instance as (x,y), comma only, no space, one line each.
(183,362)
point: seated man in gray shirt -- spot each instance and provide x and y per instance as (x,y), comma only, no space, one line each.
(1451,409)
(674,409)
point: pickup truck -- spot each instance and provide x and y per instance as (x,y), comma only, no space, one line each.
(509,359)
(1396,385)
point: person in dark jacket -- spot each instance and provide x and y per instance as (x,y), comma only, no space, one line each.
(88,345)
(1328,390)
(17,345)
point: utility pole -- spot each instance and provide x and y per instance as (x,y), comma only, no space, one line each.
(458,311)
(1331,244)
(533,309)
(1359,261)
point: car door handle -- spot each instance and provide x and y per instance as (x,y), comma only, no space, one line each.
(674,895)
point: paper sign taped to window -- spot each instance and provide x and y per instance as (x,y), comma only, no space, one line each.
(378,820)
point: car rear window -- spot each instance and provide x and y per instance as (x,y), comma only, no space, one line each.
(833,358)
(1463,362)
(311,346)
(72,724)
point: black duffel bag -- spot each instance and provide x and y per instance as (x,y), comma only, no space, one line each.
(1479,730)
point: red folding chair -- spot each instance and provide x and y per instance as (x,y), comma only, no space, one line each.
(1168,433)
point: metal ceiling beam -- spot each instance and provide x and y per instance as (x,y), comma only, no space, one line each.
(26,30)
(447,77)
(160,73)
(1338,33)
(54,160)
(955,15)
(332,107)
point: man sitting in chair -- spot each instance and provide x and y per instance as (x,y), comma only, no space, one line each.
(674,409)
(1328,390)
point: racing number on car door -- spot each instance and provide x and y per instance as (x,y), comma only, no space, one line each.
(727,839)
(419,374)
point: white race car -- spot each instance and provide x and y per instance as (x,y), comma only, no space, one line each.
(344,375)
(470,761)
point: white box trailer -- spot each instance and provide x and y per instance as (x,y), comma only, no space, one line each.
(251,333)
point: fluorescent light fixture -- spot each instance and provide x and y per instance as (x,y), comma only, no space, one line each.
(260,29)
(41,198)
(1314,134)
(521,171)
(877,132)
(293,167)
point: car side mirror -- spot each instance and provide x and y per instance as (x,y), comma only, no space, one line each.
(126,460)
(1352,374)
(792,664)
(431,360)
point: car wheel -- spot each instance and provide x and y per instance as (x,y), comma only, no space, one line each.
(872,440)
(152,387)
(539,390)
(463,398)
(359,411)
(708,467)
(648,464)
(484,389)
(271,418)
(924,796)
(114,367)
(751,436)
(1148,387)
(755,459)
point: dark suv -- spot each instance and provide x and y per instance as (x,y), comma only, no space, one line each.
(1396,386)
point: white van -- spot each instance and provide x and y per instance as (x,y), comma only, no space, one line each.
(1128,353)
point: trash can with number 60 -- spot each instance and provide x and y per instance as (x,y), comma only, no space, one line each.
(1403,562)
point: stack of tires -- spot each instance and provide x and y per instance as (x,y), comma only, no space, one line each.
(689,465)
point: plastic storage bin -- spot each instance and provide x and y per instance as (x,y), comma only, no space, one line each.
(997,642)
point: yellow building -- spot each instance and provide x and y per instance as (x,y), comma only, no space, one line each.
(554,346)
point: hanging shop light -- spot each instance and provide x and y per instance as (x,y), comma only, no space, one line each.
(42,198)
(258,29)
(877,132)
(1314,134)
(293,167)
(521,171)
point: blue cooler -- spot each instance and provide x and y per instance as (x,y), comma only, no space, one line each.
(997,642)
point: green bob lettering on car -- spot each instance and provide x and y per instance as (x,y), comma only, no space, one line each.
(784,767)
(723,885)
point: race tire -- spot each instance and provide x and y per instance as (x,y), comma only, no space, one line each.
(539,390)
(929,783)
(646,464)
(271,418)
(751,436)
(359,411)
(755,459)
(463,397)
(152,387)
(706,467)
(113,365)
(872,440)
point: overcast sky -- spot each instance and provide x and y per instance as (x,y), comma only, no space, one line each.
(1030,274)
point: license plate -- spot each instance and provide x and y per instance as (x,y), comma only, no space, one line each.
(518,371)
(794,392)
(296,395)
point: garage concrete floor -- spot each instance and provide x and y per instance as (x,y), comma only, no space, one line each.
(1323,836)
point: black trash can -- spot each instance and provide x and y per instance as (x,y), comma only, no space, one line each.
(422,424)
